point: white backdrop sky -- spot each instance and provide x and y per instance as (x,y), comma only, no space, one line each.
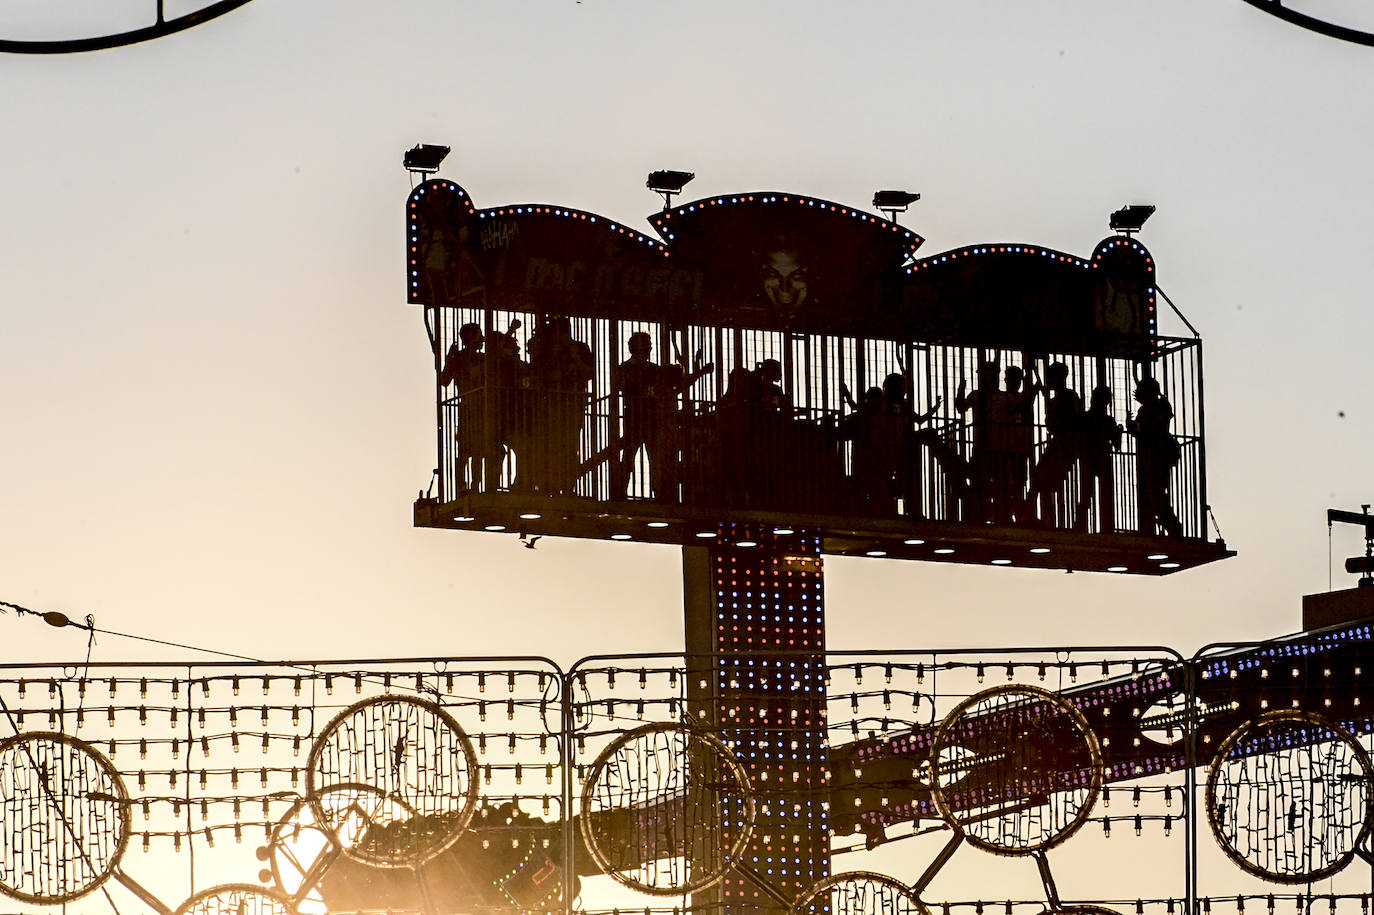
(218,409)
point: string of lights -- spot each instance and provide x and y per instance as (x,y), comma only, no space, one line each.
(536,732)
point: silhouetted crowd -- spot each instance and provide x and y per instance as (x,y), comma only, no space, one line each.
(751,448)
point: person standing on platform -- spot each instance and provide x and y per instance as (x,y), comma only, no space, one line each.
(1064,428)
(989,464)
(1157,453)
(651,417)
(560,369)
(1020,437)
(478,458)
(1100,440)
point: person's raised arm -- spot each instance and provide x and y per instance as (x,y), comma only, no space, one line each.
(961,400)
(934,405)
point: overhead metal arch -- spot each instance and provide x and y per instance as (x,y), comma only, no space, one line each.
(1312,23)
(159,29)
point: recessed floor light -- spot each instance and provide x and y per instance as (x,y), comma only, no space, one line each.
(620,536)
(913,541)
(747,543)
(1040,549)
(1168,565)
(876,553)
(705,534)
(944,551)
(1001,562)
(1158,556)
(531,516)
(1116,568)
(783,531)
(462,519)
(658,524)
(496,527)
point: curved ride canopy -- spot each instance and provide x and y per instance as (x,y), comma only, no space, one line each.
(777,367)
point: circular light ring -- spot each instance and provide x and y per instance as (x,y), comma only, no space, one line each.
(664,792)
(1303,784)
(65,822)
(1015,769)
(377,743)
(236,899)
(859,893)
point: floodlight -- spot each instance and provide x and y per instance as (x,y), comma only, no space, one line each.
(1130,218)
(894,202)
(668,182)
(424,158)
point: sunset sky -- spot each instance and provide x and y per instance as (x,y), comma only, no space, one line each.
(218,408)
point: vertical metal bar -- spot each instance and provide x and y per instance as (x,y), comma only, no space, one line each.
(1190,786)
(190,836)
(565,743)
(1201,448)
(825,374)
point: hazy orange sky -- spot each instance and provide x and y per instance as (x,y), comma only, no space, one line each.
(218,408)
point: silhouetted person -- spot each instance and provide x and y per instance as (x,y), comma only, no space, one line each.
(674,420)
(779,460)
(559,370)
(507,392)
(876,437)
(1063,427)
(1157,451)
(738,412)
(993,454)
(1020,436)
(465,367)
(1101,437)
(907,440)
(769,385)
(650,416)
(640,385)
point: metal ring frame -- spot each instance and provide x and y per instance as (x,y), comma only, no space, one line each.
(160,29)
(116,795)
(234,899)
(818,894)
(1279,718)
(946,738)
(419,849)
(734,780)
